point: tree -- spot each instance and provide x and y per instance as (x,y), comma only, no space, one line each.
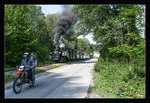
(18,27)
(111,25)
(27,30)
(50,21)
(84,45)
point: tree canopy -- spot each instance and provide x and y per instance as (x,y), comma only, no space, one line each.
(114,28)
(27,30)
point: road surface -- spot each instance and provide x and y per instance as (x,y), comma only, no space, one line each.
(69,81)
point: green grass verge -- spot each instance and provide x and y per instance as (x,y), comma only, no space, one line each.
(12,77)
(44,62)
(113,79)
(49,68)
(9,77)
(8,67)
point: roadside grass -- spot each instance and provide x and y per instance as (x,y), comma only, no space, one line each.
(12,77)
(115,79)
(49,68)
(8,67)
(41,63)
(9,77)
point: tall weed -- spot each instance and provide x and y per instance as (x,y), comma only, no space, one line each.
(119,79)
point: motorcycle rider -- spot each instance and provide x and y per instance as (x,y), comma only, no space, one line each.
(33,64)
(26,64)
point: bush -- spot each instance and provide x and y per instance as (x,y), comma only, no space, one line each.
(114,78)
(42,55)
(98,65)
(139,68)
(129,52)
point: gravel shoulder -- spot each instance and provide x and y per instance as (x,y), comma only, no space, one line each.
(91,92)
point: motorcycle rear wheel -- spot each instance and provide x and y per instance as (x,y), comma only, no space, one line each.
(17,83)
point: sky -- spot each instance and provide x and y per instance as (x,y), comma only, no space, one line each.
(52,9)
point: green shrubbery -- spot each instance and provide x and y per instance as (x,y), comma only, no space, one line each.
(42,55)
(27,30)
(122,72)
(114,78)
(9,77)
(125,51)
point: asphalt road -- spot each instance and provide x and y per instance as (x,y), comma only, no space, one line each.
(69,81)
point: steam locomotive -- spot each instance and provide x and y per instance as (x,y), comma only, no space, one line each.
(67,54)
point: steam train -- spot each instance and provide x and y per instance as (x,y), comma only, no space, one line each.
(67,54)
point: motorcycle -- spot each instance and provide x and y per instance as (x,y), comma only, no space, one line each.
(22,78)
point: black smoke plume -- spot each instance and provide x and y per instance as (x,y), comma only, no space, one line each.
(65,20)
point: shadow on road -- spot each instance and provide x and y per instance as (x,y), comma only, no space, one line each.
(44,87)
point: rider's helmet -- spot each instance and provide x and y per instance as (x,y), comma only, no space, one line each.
(25,54)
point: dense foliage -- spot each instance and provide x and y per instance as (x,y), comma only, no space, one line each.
(18,27)
(114,28)
(118,31)
(27,30)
